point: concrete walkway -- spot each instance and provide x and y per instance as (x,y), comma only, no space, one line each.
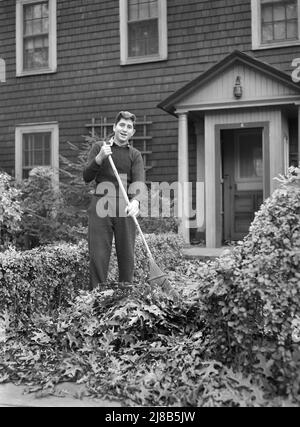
(203,253)
(66,395)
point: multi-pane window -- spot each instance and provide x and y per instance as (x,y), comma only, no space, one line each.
(36,151)
(35,36)
(143,38)
(36,145)
(279,20)
(143,29)
(275,23)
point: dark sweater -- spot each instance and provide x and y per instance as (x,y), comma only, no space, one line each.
(128,161)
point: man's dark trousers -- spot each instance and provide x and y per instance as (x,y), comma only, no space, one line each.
(102,229)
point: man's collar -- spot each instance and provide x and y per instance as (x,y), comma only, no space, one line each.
(112,141)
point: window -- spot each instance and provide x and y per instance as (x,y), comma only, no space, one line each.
(249,163)
(143,31)
(249,159)
(36,151)
(275,23)
(36,36)
(36,145)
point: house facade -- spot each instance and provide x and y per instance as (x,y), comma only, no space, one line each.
(214,84)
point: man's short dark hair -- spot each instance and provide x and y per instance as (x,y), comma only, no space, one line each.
(125,115)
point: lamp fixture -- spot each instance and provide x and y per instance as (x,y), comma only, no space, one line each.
(238,89)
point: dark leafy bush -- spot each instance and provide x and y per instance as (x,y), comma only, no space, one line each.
(251,296)
(159,225)
(157,213)
(37,281)
(10,211)
(47,213)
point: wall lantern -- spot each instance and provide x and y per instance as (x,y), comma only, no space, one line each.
(237,89)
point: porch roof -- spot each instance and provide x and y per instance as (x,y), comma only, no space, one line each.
(262,85)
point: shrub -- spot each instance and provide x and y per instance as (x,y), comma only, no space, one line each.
(251,296)
(157,221)
(75,191)
(47,215)
(10,211)
(37,281)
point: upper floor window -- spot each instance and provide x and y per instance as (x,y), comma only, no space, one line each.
(275,23)
(35,36)
(143,30)
(36,145)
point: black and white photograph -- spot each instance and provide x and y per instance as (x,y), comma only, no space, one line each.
(150,206)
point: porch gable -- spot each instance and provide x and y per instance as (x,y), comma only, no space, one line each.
(260,84)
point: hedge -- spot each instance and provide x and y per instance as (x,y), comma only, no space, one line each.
(250,297)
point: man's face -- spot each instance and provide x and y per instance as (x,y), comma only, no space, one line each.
(124,130)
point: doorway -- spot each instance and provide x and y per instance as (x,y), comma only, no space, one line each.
(242,179)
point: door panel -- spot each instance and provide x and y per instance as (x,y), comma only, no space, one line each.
(242,180)
(246,204)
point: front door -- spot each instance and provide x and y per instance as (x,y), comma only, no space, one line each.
(242,171)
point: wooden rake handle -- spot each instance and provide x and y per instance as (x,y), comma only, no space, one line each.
(124,192)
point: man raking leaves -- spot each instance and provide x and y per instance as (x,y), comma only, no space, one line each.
(109,161)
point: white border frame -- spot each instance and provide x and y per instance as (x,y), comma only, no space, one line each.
(256,29)
(22,129)
(52,39)
(162,35)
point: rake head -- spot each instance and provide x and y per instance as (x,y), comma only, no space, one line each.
(157,276)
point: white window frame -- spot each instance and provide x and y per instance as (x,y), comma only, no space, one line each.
(2,71)
(286,153)
(52,59)
(256,29)
(162,35)
(22,129)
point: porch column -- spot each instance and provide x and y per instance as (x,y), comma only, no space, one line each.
(183,175)
(200,189)
(212,180)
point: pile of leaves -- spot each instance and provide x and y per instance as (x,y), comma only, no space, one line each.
(137,344)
